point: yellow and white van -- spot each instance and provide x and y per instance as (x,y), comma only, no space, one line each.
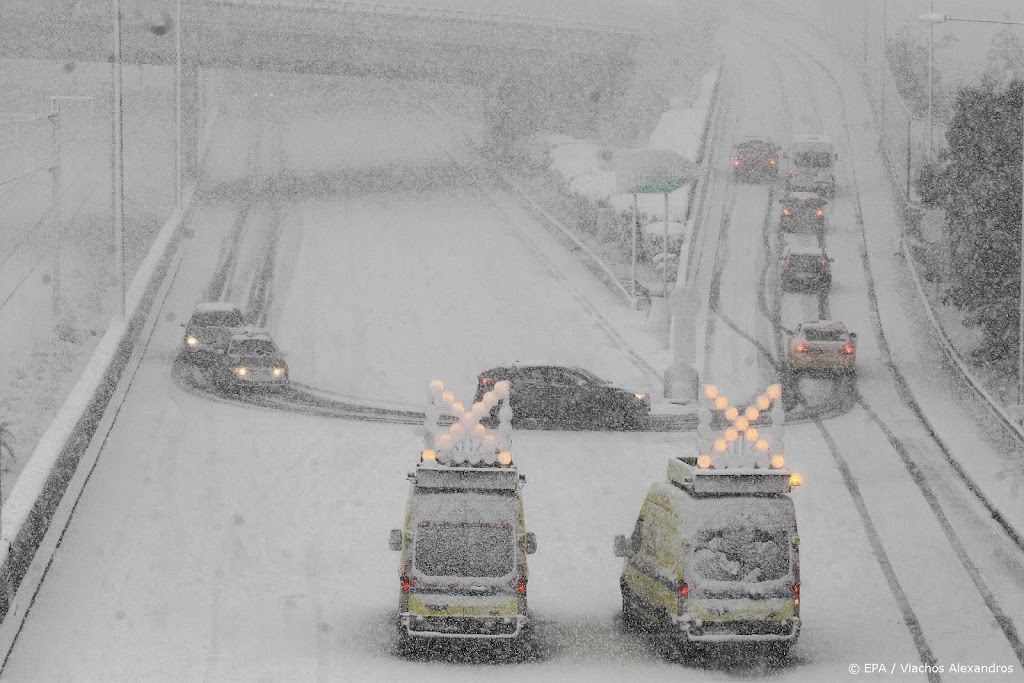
(463,570)
(713,558)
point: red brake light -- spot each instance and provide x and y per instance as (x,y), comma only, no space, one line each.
(789,261)
(486,382)
(785,211)
(684,590)
(405,584)
(521,588)
(848,349)
(736,162)
(824,262)
(801,347)
(819,213)
(796,593)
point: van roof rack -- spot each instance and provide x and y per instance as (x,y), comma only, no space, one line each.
(684,472)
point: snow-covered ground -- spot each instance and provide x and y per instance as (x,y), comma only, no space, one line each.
(216,541)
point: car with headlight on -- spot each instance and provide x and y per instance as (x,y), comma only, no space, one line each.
(754,158)
(802,211)
(251,360)
(567,396)
(208,330)
(822,345)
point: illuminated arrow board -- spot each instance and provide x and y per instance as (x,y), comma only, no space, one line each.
(467,441)
(740,444)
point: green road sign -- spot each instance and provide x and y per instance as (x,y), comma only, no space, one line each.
(652,171)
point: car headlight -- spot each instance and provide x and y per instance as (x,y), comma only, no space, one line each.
(240,371)
(191,341)
(640,397)
(279,372)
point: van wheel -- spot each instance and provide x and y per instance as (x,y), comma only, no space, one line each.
(630,617)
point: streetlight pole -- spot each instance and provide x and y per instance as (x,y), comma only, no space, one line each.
(118,166)
(937,18)
(178,142)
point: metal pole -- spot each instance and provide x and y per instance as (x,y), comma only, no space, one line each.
(664,254)
(118,166)
(910,120)
(633,223)
(178,142)
(931,62)
(55,199)
(885,61)
(1020,312)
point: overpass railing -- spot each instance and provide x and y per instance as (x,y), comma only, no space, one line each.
(433,13)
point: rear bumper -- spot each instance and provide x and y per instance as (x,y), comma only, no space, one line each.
(785,630)
(823,363)
(477,628)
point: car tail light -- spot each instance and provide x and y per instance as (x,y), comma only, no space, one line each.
(772,161)
(521,588)
(824,262)
(819,213)
(801,347)
(796,593)
(405,584)
(848,349)
(486,382)
(684,590)
(785,211)
(789,261)
(737,162)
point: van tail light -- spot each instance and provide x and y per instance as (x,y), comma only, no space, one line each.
(824,262)
(819,213)
(801,347)
(848,349)
(684,590)
(785,211)
(521,588)
(736,162)
(796,593)
(405,584)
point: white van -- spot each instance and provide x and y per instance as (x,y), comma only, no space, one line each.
(811,165)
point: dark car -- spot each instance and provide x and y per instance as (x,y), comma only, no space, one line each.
(806,268)
(568,396)
(802,211)
(755,158)
(251,360)
(209,329)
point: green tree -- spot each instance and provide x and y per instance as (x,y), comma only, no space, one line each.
(909,63)
(982,180)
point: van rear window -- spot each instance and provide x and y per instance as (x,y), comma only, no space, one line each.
(741,554)
(464,549)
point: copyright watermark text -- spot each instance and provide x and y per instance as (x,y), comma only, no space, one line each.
(869,668)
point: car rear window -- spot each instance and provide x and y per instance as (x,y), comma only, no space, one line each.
(813,159)
(812,334)
(217,319)
(468,549)
(253,347)
(741,554)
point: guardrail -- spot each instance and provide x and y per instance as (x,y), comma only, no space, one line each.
(433,13)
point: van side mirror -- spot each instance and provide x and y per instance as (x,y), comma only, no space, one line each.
(395,540)
(531,543)
(624,546)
